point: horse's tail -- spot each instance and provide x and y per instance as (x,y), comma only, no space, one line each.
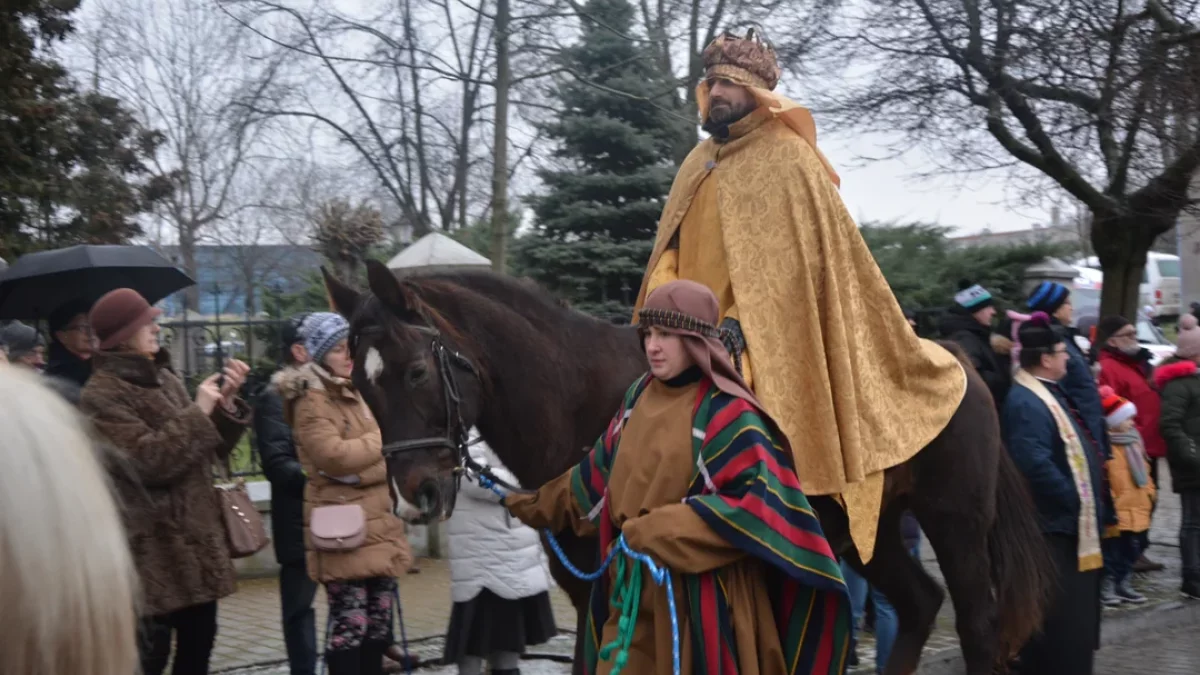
(1022,571)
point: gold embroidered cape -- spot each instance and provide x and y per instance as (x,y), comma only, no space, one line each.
(834,360)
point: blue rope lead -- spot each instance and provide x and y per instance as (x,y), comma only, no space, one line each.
(579,574)
(660,576)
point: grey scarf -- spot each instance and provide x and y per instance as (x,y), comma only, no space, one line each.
(1135,455)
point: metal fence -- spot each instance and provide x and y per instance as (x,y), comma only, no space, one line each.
(199,346)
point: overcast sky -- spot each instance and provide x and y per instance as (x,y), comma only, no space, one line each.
(890,190)
(879,190)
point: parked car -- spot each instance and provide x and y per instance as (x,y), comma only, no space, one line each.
(227,347)
(1085,292)
(1160,286)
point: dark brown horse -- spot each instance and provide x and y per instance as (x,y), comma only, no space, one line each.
(439,353)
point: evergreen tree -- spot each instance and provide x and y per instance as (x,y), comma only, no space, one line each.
(72,164)
(594,227)
(923,267)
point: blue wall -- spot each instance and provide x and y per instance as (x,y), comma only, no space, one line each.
(232,268)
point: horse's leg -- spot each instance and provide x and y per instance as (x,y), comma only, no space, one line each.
(915,596)
(580,630)
(954,501)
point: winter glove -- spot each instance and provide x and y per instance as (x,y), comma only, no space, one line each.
(734,340)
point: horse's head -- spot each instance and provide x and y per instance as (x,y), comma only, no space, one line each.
(420,381)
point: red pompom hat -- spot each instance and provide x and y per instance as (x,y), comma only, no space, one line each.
(1116,409)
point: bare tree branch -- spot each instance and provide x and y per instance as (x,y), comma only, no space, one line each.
(1098,96)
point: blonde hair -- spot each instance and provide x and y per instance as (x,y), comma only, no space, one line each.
(67,580)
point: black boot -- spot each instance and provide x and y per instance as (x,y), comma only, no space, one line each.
(345,661)
(514,671)
(372,656)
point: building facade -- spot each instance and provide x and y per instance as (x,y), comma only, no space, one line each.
(235,280)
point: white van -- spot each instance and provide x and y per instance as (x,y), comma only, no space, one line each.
(1160,282)
(1085,292)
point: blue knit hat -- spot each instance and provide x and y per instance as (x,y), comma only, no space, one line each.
(321,331)
(1047,297)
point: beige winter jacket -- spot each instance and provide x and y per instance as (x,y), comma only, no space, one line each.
(337,438)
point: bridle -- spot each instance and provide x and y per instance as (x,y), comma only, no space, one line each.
(457,440)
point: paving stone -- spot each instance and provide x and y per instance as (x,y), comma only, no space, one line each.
(1175,652)
(249,632)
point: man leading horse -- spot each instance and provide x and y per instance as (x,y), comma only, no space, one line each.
(755,216)
(694,473)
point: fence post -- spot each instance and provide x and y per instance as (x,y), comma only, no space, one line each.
(220,356)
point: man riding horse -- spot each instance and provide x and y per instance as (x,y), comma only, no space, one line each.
(825,351)
(754,215)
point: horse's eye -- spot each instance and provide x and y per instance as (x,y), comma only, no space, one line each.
(417,374)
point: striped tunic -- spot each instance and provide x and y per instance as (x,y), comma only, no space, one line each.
(703,483)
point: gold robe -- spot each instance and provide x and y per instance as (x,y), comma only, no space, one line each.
(653,472)
(758,219)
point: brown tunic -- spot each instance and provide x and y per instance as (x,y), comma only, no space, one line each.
(653,471)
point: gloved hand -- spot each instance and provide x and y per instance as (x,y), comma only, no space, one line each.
(734,340)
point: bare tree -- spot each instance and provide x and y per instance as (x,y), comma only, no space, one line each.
(411,88)
(400,89)
(1095,95)
(250,241)
(502,85)
(182,65)
(679,30)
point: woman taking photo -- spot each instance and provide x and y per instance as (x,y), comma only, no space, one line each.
(166,444)
(355,546)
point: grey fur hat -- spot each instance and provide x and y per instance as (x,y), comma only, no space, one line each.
(20,339)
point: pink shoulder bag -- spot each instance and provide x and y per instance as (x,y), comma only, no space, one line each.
(338,528)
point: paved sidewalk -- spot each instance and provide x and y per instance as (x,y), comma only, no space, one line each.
(1175,652)
(250,634)
(249,622)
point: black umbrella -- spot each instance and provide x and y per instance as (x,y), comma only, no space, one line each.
(38,283)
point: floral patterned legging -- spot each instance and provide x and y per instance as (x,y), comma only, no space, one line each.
(359,610)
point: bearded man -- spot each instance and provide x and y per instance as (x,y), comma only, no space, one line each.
(754,215)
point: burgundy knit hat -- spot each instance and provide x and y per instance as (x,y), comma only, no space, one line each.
(118,315)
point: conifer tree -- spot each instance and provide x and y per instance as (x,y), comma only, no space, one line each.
(594,225)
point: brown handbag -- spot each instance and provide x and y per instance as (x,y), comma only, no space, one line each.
(244,527)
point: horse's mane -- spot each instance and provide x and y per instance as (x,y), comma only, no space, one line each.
(521,295)
(444,300)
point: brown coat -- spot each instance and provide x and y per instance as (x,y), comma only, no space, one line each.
(337,438)
(164,448)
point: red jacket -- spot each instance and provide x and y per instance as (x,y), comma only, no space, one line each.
(1129,378)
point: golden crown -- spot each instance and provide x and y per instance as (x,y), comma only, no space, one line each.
(748,60)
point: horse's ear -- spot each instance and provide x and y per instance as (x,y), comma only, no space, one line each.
(342,298)
(384,284)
